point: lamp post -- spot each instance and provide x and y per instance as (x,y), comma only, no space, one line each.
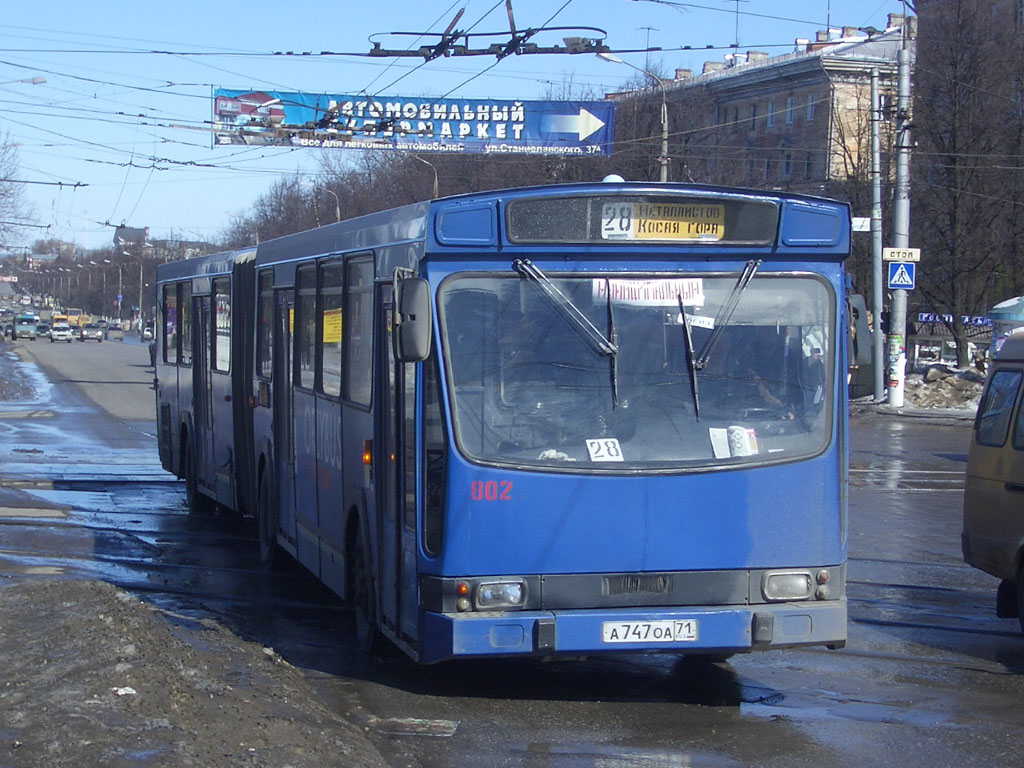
(337,201)
(37,80)
(436,185)
(663,160)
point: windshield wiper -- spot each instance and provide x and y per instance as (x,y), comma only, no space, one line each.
(725,312)
(691,361)
(564,306)
(578,321)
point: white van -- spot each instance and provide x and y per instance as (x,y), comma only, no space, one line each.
(993,536)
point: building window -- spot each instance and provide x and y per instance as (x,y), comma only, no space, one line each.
(808,166)
(790,109)
(770,116)
(767,168)
(753,116)
(787,165)
(810,107)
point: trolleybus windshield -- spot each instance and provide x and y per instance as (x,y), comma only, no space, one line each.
(529,390)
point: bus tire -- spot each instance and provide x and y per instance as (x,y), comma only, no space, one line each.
(360,591)
(198,504)
(271,555)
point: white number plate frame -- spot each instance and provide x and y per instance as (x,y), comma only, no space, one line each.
(659,631)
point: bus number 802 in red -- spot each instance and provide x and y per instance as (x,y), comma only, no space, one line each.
(491,490)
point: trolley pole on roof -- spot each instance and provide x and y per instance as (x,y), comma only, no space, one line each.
(901,231)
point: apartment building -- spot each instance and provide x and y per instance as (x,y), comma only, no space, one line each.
(799,121)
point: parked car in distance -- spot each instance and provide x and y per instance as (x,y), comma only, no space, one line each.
(114,332)
(91,331)
(60,332)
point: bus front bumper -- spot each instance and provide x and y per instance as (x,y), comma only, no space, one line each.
(708,629)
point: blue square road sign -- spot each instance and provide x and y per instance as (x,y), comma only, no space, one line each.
(902,275)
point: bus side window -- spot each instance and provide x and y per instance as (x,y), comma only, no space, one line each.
(185,329)
(265,325)
(435,450)
(305,326)
(331,318)
(222,325)
(170,302)
(358,330)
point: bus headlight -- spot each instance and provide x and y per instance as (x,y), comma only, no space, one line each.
(787,585)
(500,594)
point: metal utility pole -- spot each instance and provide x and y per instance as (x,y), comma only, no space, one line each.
(877,292)
(901,231)
(664,159)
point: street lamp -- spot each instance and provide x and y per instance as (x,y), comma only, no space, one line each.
(337,201)
(37,80)
(663,160)
(436,190)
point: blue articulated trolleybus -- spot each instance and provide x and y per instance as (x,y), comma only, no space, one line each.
(551,421)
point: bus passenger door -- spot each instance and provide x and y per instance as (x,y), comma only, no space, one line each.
(284,442)
(202,394)
(396,520)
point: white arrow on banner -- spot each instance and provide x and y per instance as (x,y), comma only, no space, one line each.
(584,124)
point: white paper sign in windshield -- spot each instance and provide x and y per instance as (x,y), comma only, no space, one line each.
(652,293)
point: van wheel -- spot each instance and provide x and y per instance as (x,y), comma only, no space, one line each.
(266,519)
(360,593)
(1020,599)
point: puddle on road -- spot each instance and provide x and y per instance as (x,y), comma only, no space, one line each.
(895,713)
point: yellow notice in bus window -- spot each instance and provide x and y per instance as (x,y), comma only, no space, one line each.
(332,326)
(291,320)
(663,221)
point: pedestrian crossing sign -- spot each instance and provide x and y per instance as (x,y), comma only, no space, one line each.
(902,274)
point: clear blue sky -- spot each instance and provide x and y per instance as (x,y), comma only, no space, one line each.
(128,85)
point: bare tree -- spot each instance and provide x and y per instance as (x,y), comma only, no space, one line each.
(287,207)
(967,194)
(13,209)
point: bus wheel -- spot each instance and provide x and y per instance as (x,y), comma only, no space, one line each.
(266,519)
(360,593)
(198,504)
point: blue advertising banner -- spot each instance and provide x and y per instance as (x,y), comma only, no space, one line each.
(484,126)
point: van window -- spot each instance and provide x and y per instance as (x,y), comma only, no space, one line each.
(1018,430)
(996,406)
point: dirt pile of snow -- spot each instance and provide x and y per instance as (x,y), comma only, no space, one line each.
(939,386)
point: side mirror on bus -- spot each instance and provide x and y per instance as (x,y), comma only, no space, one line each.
(413,320)
(860,335)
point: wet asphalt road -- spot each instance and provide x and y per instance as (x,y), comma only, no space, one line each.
(930,677)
